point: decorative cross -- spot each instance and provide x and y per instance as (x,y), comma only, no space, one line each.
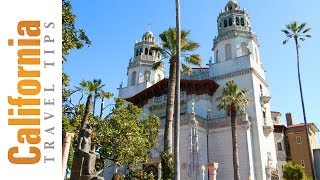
(149,27)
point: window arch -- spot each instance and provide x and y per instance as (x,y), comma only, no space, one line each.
(242,22)
(146,51)
(230,21)
(237,21)
(225,23)
(228,51)
(146,76)
(133,78)
(137,52)
(244,48)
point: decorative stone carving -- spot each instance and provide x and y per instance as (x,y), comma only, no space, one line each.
(83,166)
(265,99)
(267,129)
(246,125)
(271,172)
(212,168)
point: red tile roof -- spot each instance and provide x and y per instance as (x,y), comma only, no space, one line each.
(198,87)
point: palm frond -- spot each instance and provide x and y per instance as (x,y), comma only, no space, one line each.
(156,65)
(232,96)
(187,45)
(294,27)
(193,59)
(186,68)
(285,31)
(301,27)
(294,30)
(306,30)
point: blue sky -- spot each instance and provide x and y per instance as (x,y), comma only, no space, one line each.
(114,26)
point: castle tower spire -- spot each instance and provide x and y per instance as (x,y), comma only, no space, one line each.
(140,72)
(236,58)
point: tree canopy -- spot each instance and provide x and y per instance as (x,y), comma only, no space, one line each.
(294,171)
(71,36)
(125,137)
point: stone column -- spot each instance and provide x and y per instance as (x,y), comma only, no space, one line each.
(65,151)
(212,167)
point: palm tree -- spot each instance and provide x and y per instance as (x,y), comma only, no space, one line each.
(98,90)
(168,50)
(103,95)
(300,32)
(233,100)
(89,87)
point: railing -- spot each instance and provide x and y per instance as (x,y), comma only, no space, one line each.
(147,57)
(163,98)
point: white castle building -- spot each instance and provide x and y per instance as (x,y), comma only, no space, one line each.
(206,133)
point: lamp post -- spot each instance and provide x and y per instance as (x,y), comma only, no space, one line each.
(203,169)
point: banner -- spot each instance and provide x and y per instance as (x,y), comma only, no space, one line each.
(30,91)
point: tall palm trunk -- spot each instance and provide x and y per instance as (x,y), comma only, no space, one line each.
(303,110)
(101,108)
(235,154)
(86,114)
(94,101)
(170,106)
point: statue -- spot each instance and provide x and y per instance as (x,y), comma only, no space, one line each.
(85,139)
(83,167)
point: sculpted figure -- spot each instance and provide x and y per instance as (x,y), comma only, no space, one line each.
(89,157)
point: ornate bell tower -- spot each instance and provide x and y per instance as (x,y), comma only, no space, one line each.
(236,58)
(140,73)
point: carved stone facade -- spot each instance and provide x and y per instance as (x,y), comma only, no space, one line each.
(205,131)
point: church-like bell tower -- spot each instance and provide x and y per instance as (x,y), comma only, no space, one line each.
(236,58)
(235,41)
(140,73)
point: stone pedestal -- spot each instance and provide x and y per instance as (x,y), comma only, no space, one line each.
(83,166)
(65,151)
(212,167)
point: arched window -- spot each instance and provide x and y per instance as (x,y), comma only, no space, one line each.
(230,21)
(217,56)
(242,22)
(237,21)
(225,23)
(137,52)
(150,52)
(146,51)
(140,51)
(133,78)
(146,76)
(228,51)
(244,48)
